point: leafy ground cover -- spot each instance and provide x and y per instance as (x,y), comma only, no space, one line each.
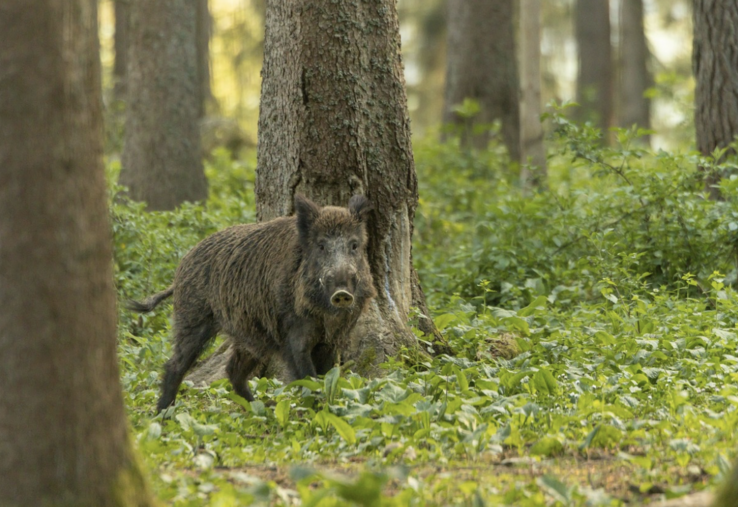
(593,324)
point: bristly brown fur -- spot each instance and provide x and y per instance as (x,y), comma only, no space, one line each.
(269,287)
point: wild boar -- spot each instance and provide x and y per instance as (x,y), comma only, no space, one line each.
(293,286)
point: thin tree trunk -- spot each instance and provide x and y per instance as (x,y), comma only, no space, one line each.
(204,33)
(595,75)
(333,123)
(63,433)
(714,61)
(481,65)
(532,149)
(162,161)
(121,42)
(635,77)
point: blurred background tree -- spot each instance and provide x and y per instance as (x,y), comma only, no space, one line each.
(236,48)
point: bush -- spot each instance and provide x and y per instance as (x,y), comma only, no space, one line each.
(621,213)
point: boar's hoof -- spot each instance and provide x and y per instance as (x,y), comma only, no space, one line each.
(342,299)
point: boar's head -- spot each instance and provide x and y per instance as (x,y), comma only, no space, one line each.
(333,242)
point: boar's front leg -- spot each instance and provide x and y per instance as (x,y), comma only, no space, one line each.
(299,343)
(240,366)
(324,358)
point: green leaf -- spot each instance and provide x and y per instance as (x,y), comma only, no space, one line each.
(461,379)
(239,400)
(202,430)
(443,321)
(588,441)
(517,324)
(547,446)
(514,381)
(555,488)
(258,408)
(342,427)
(282,412)
(539,302)
(545,382)
(330,383)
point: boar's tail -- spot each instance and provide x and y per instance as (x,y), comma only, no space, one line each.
(150,302)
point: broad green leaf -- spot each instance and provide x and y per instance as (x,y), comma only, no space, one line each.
(539,302)
(545,382)
(282,412)
(547,446)
(342,427)
(555,488)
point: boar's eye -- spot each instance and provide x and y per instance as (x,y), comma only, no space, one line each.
(321,246)
(354,245)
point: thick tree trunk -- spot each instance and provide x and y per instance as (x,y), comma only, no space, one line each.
(333,123)
(63,433)
(532,149)
(595,75)
(121,42)
(204,31)
(481,65)
(635,77)
(162,163)
(714,62)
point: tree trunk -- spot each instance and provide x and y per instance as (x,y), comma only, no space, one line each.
(714,60)
(532,149)
(595,75)
(727,494)
(121,42)
(635,78)
(481,65)
(204,32)
(63,433)
(162,163)
(333,123)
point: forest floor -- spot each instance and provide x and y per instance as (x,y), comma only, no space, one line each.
(617,383)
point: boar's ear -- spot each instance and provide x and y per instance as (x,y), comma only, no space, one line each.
(359,206)
(307,211)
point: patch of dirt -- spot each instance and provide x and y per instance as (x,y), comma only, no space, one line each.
(598,471)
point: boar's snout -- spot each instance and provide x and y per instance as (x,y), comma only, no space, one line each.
(342,299)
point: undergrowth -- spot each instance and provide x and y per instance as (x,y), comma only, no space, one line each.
(614,287)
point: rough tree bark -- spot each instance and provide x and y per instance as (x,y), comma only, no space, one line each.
(333,123)
(595,75)
(481,65)
(635,78)
(204,30)
(63,433)
(714,63)
(162,163)
(121,41)
(532,149)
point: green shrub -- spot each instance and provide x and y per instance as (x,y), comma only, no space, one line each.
(618,213)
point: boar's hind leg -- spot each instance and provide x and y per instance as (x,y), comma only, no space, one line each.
(189,342)
(324,358)
(239,368)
